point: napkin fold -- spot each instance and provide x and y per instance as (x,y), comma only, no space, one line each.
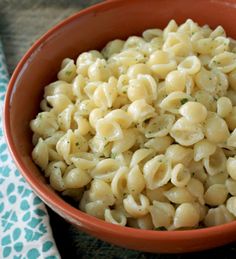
(25,231)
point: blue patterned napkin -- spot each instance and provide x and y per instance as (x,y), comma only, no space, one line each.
(24,223)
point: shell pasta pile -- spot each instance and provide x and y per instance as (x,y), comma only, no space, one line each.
(142,133)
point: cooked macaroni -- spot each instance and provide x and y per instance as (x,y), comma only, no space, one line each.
(143,134)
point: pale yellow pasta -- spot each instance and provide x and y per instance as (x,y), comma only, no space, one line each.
(186,215)
(215,163)
(180,175)
(78,87)
(124,144)
(85,107)
(159,144)
(231,167)
(179,195)
(138,69)
(202,210)
(152,33)
(225,62)
(144,222)
(157,172)
(58,87)
(123,158)
(218,31)
(231,95)
(216,194)
(115,217)
(44,124)
(101,191)
(216,179)
(109,129)
(205,98)
(59,102)
(203,45)
(84,160)
(175,81)
(171,27)
(179,154)
(143,132)
(119,182)
(140,111)
(203,149)
(231,119)
(232,79)
(177,43)
(186,133)
(52,140)
(161,63)
(105,169)
(142,87)
(105,94)
(112,47)
(162,214)
(135,181)
(68,70)
(189,27)
(96,209)
(65,118)
(220,44)
(190,65)
(71,143)
(196,188)
(231,205)
(121,117)
(99,71)
(83,125)
(158,193)
(136,207)
(217,216)
(231,141)
(216,129)
(231,186)
(85,59)
(159,126)
(40,154)
(198,171)
(76,178)
(141,155)
(55,171)
(173,101)
(224,106)
(193,111)
(95,115)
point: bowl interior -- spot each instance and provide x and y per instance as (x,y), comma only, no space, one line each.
(91,29)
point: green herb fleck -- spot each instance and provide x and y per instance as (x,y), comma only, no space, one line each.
(113,155)
(77,144)
(183,101)
(210,78)
(68,73)
(160,229)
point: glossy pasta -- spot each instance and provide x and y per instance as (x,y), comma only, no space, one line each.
(142,133)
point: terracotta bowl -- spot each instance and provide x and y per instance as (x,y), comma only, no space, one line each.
(92,29)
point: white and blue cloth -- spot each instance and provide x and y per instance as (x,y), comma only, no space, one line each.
(25,232)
